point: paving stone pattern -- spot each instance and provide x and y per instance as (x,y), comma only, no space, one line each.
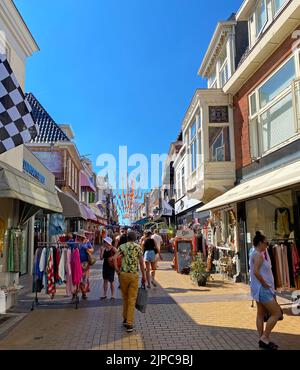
(179,316)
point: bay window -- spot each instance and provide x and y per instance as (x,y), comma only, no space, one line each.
(182,181)
(277,4)
(219,144)
(193,146)
(272,111)
(178,185)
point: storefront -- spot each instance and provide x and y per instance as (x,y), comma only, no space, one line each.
(186,211)
(73,212)
(26,187)
(269,203)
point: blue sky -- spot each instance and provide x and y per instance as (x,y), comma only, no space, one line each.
(121,72)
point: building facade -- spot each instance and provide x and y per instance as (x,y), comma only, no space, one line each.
(265,93)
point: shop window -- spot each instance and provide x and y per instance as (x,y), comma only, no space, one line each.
(219,144)
(272,215)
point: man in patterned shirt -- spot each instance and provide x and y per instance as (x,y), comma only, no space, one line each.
(132,258)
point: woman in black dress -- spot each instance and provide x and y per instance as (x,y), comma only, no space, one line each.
(108,271)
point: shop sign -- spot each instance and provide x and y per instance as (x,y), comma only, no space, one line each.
(28,168)
(185,234)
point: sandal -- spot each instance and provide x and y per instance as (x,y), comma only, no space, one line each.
(270,346)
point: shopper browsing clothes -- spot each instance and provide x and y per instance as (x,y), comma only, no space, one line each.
(263,291)
(132,259)
(85,248)
(108,272)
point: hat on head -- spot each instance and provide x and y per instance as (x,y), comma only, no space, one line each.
(108,240)
(80,233)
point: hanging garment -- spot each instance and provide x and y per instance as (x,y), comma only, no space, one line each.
(57,260)
(37,282)
(70,289)
(51,289)
(278,282)
(296,262)
(76,267)
(282,222)
(61,267)
(290,262)
(285,263)
(13,261)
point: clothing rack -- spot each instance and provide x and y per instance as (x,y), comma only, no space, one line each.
(35,302)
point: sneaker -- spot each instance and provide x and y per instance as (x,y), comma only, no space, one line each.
(129,329)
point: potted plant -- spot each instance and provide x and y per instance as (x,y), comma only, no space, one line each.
(198,272)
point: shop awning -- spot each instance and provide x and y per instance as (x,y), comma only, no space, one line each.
(71,207)
(142,222)
(17,185)
(280,178)
(96,210)
(90,215)
(86,182)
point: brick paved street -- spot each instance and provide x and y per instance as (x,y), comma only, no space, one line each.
(180,315)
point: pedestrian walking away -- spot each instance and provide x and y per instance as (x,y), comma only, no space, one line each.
(107,253)
(132,259)
(159,242)
(150,251)
(85,248)
(263,291)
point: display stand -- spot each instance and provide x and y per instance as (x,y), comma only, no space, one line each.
(75,300)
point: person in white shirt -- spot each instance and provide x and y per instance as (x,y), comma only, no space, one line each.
(159,242)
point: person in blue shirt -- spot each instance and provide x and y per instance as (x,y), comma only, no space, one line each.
(85,248)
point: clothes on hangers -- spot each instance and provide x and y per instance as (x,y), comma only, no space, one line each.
(76,267)
(283,222)
(285,265)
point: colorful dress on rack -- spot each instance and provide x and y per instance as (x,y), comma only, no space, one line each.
(70,289)
(51,288)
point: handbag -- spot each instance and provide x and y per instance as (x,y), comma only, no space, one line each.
(92,260)
(142,299)
(119,262)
